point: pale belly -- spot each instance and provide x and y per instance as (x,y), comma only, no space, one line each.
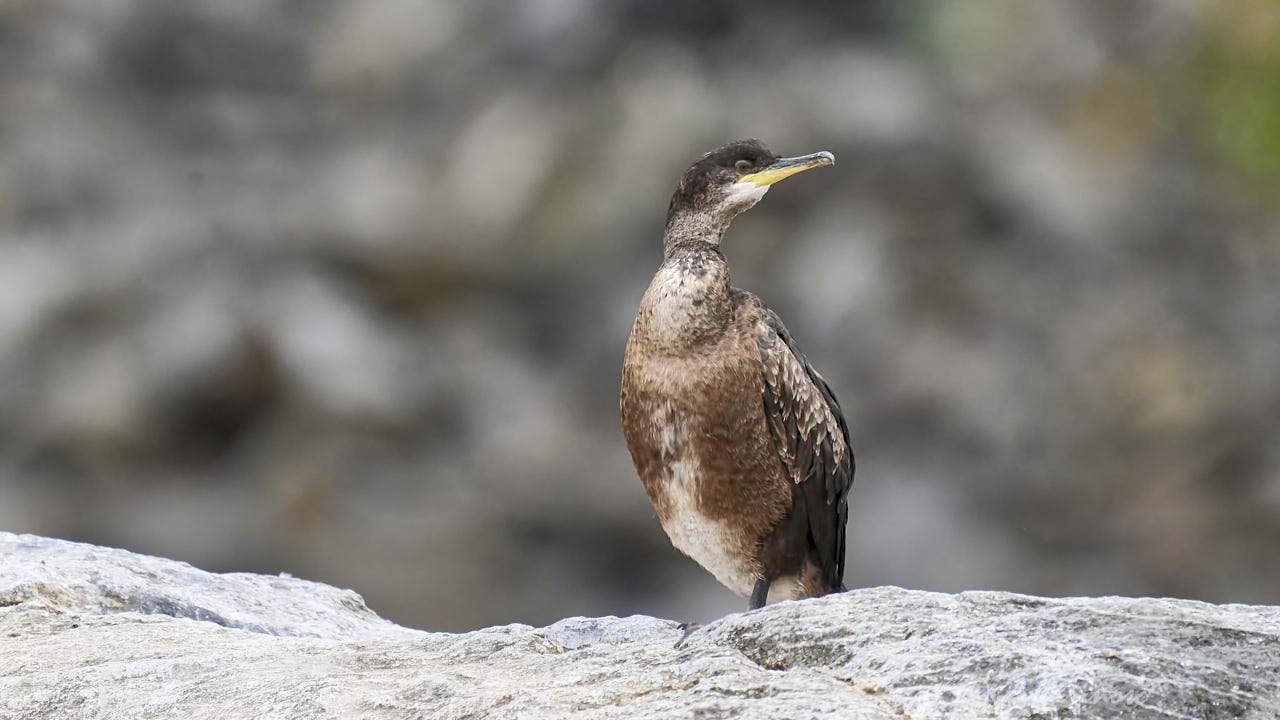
(705,540)
(700,537)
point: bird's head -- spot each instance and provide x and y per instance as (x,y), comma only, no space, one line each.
(730,180)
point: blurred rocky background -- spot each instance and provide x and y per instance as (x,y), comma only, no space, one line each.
(341,289)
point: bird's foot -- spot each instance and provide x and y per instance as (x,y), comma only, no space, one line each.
(689,628)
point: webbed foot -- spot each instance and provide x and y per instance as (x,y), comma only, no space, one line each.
(689,628)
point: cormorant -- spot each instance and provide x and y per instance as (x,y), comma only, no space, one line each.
(738,440)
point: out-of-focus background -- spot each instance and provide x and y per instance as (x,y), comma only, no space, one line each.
(341,289)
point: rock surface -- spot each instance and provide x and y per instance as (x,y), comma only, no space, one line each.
(91,632)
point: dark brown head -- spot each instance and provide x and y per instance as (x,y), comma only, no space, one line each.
(729,180)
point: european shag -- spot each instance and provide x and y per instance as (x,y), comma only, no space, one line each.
(738,440)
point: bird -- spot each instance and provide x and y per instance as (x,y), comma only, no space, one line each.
(739,442)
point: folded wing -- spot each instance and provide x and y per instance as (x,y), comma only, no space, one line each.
(811,437)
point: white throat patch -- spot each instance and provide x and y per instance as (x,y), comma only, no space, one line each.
(747,192)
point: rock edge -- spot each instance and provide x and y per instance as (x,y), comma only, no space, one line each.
(87,631)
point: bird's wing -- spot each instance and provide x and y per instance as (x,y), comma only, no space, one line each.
(811,436)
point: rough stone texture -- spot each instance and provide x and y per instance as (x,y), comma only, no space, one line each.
(100,633)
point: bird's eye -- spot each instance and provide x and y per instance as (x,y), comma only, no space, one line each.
(743,165)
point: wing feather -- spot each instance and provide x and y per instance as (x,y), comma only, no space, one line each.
(811,436)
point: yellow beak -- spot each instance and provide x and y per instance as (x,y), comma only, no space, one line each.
(786,167)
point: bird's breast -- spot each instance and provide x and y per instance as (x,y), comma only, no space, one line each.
(685,308)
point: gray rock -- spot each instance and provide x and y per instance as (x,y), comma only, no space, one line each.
(94,632)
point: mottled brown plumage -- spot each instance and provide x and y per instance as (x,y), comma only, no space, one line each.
(739,442)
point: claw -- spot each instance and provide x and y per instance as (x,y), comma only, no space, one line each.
(689,629)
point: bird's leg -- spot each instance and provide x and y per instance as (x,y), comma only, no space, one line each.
(759,594)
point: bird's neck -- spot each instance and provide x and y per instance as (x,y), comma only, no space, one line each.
(693,228)
(689,303)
